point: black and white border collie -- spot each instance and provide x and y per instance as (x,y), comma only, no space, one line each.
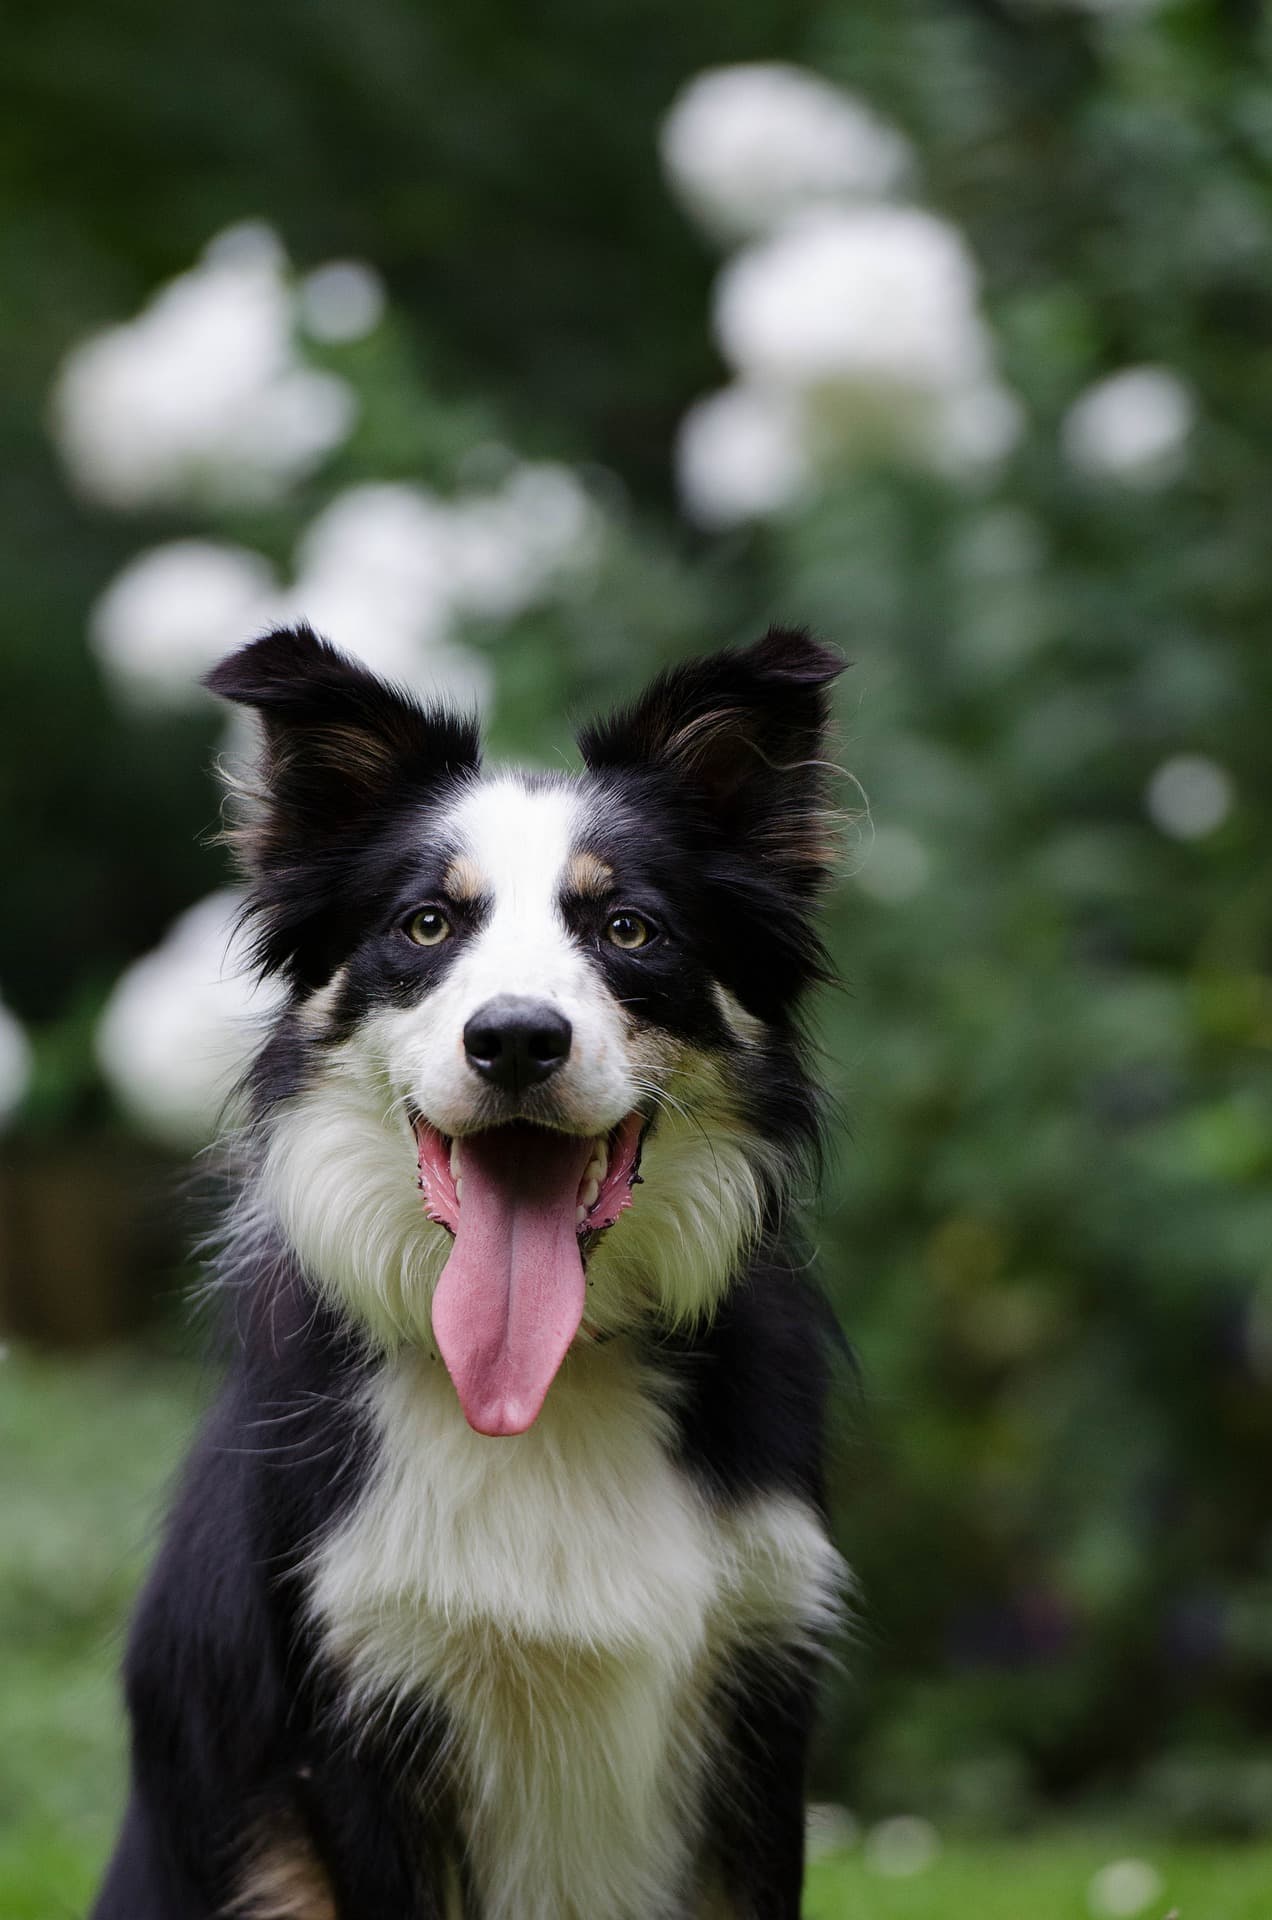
(496,1583)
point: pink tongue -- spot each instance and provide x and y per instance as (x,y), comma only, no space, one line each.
(511,1296)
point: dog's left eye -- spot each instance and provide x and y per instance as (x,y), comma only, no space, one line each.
(628,931)
(429,927)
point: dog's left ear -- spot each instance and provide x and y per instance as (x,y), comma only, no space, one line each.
(744,732)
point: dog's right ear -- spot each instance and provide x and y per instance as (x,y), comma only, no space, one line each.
(342,749)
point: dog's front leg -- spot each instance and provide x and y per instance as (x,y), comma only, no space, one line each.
(380,1856)
(755,1821)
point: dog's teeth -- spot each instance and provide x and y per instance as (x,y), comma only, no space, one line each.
(580,1215)
(598,1166)
(454,1157)
(459,1189)
(590,1194)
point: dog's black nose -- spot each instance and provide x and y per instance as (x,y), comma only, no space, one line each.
(515,1043)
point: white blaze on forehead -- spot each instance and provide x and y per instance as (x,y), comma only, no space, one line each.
(517,840)
(511,848)
(514,842)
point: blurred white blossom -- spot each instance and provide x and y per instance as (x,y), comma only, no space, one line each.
(854,333)
(181,1024)
(15,1063)
(388,571)
(852,324)
(202,396)
(385,571)
(341,301)
(1189,796)
(902,1846)
(740,454)
(881,297)
(1122,1889)
(172,612)
(522,540)
(373,574)
(1131,428)
(747,146)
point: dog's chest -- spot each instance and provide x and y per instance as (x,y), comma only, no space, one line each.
(566,1598)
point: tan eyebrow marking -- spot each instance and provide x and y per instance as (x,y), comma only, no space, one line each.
(588,874)
(463,879)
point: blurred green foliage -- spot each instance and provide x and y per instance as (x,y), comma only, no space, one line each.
(1049,1220)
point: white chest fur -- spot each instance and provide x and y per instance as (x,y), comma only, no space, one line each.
(566,1596)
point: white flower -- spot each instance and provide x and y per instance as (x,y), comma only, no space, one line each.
(740,454)
(747,146)
(1122,1889)
(902,1846)
(171,614)
(883,298)
(511,546)
(1132,427)
(854,333)
(375,575)
(181,1024)
(201,397)
(372,570)
(342,301)
(1189,796)
(15,1063)
(388,571)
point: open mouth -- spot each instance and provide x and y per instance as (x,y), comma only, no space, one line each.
(611,1170)
(526,1204)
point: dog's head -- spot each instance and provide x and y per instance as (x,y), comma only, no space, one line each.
(528,995)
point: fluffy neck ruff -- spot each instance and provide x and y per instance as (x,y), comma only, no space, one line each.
(338,1176)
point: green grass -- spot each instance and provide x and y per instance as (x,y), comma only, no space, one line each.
(87,1449)
(1046,1878)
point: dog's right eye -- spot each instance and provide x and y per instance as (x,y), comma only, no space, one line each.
(429,927)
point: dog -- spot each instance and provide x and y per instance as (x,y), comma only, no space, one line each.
(498,1582)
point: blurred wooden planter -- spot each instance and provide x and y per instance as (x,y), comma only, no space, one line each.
(90,1234)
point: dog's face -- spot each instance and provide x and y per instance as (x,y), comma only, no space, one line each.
(527,996)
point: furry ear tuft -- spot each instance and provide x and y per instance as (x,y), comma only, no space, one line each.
(333,717)
(744,732)
(342,750)
(289,668)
